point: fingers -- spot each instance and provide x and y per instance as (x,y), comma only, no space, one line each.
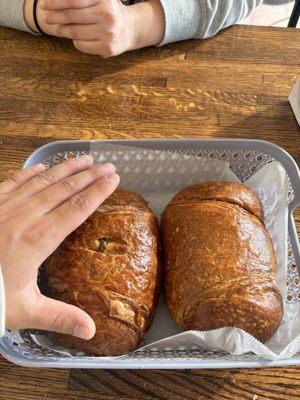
(73,16)
(65,4)
(97,48)
(88,47)
(82,205)
(54,227)
(55,195)
(80,32)
(20,178)
(56,316)
(55,174)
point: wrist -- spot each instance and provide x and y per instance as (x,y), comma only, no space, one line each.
(28,15)
(147,24)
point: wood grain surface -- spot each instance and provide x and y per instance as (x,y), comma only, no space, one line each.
(234,85)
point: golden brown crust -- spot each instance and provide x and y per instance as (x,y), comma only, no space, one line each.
(109,267)
(123,197)
(229,192)
(219,263)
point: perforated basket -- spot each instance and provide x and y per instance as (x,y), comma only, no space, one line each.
(246,157)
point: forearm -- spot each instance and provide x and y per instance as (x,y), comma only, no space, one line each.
(223,13)
(200,19)
(12,14)
(149,22)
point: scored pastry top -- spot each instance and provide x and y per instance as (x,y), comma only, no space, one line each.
(228,192)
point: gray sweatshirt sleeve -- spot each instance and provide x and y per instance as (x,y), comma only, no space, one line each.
(12,14)
(200,19)
(185,19)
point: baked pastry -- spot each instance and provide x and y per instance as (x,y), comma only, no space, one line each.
(219,261)
(109,267)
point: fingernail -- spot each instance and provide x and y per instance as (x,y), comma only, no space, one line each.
(106,168)
(86,157)
(81,331)
(113,178)
(42,3)
(39,167)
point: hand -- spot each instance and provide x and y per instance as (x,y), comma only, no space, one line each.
(38,210)
(104,27)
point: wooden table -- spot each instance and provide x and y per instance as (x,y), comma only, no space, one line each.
(234,85)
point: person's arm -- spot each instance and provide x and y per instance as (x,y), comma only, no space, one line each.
(110,28)
(12,14)
(107,28)
(201,19)
(18,14)
(28,15)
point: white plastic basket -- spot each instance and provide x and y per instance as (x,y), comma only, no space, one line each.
(246,157)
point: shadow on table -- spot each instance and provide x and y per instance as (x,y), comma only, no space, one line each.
(83,68)
(275,123)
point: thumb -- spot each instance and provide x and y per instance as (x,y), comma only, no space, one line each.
(56,316)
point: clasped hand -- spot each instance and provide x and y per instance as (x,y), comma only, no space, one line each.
(103,27)
(96,27)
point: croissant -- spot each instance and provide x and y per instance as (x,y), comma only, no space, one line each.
(219,261)
(109,267)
